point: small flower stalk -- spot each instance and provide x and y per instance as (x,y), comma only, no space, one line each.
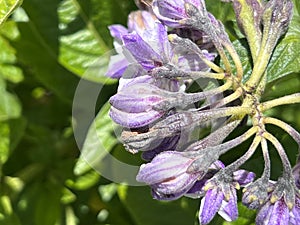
(159,58)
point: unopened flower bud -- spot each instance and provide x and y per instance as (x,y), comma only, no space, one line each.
(173,12)
(167,175)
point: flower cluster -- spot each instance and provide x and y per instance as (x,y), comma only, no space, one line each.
(169,48)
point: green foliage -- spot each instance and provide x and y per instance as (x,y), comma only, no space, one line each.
(99,142)
(47,46)
(7,7)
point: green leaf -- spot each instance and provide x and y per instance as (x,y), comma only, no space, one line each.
(9,107)
(286,58)
(99,142)
(85,40)
(47,206)
(4,144)
(84,181)
(147,211)
(38,48)
(7,7)
(8,59)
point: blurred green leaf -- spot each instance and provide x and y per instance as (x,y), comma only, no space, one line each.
(5,141)
(8,70)
(38,48)
(47,208)
(99,141)
(85,40)
(84,181)
(10,106)
(7,7)
(147,211)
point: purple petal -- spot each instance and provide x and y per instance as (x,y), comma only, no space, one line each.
(166,144)
(196,191)
(117,31)
(171,12)
(276,214)
(167,165)
(117,66)
(134,120)
(141,51)
(210,204)
(229,210)
(280,214)
(264,214)
(141,22)
(174,188)
(137,98)
(243,177)
(295,213)
(191,62)
(217,165)
(123,83)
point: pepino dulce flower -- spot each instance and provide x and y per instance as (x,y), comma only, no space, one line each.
(167,175)
(221,196)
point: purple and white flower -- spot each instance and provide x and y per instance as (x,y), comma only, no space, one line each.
(221,197)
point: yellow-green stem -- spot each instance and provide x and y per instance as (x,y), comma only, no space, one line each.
(289,99)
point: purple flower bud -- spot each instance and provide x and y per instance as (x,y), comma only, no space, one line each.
(137,98)
(166,144)
(167,175)
(134,120)
(197,190)
(171,12)
(133,106)
(142,52)
(243,177)
(276,18)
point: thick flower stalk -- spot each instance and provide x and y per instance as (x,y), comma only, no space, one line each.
(159,58)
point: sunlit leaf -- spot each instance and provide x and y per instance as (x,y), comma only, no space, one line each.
(9,107)
(286,58)
(38,48)
(5,141)
(85,40)
(7,7)
(8,59)
(99,141)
